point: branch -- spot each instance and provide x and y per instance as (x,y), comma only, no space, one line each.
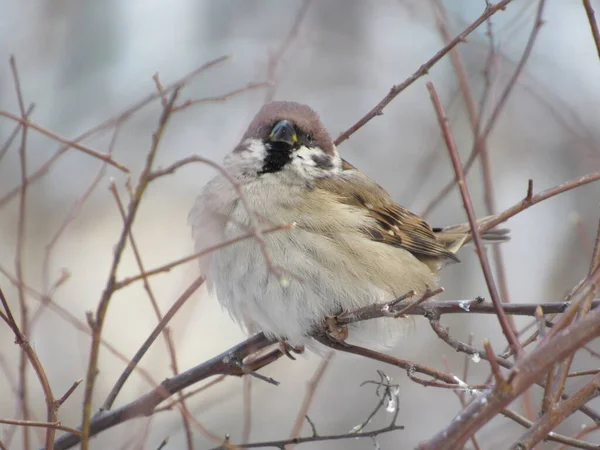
(49,425)
(481,136)
(23,342)
(506,326)
(193,257)
(556,415)
(423,70)
(227,363)
(74,144)
(161,326)
(528,201)
(552,437)
(275,58)
(148,342)
(231,362)
(224,97)
(524,373)
(587,4)
(117,120)
(97,322)
(23,309)
(311,389)
(390,393)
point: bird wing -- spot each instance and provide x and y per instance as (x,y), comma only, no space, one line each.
(392,224)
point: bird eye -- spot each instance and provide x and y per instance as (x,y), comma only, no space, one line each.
(309,138)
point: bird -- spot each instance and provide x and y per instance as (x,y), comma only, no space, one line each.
(349,245)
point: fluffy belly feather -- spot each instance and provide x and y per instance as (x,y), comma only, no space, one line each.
(304,285)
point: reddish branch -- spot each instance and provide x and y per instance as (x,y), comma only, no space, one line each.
(23,309)
(423,70)
(115,121)
(275,58)
(483,131)
(97,321)
(525,372)
(227,363)
(230,362)
(553,417)
(73,144)
(556,346)
(591,15)
(506,326)
(22,340)
(162,327)
(148,342)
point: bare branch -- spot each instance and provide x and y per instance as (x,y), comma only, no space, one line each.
(49,425)
(275,58)
(591,15)
(524,373)
(506,326)
(98,321)
(73,144)
(311,389)
(423,70)
(482,135)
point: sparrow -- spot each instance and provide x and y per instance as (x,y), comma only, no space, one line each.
(350,245)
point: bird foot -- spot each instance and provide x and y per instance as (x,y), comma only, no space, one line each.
(287,349)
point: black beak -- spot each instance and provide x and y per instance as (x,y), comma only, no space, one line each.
(284,132)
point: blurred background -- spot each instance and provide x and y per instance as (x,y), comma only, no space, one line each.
(82,62)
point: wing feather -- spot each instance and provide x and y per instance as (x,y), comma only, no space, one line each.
(392,224)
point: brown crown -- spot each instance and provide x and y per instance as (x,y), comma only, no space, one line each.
(302,116)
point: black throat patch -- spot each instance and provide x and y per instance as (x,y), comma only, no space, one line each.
(278,155)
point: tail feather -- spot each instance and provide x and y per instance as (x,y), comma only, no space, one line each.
(455,236)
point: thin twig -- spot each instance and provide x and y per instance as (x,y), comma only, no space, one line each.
(545,424)
(491,357)
(224,97)
(193,257)
(524,373)
(282,444)
(275,58)
(506,326)
(423,70)
(158,329)
(225,363)
(163,325)
(98,321)
(537,198)
(23,342)
(75,209)
(31,423)
(311,389)
(15,132)
(552,437)
(247,429)
(410,367)
(67,394)
(23,309)
(72,144)
(483,132)
(591,15)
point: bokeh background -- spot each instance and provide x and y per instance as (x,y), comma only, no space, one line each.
(82,62)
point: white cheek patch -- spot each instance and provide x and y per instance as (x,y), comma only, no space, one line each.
(313,159)
(250,155)
(254,149)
